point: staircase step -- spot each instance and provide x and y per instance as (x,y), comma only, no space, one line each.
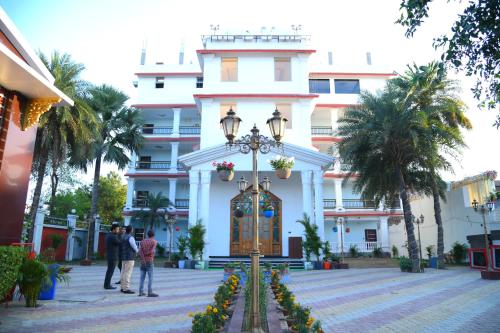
(219,262)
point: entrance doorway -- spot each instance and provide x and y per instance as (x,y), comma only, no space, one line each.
(241,227)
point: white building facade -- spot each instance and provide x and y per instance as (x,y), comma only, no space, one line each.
(253,74)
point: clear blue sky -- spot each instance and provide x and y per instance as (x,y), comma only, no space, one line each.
(107,35)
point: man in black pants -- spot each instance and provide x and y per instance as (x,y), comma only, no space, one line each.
(120,234)
(113,243)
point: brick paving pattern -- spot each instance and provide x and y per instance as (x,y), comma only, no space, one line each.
(354,300)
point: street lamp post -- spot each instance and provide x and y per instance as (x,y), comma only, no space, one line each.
(254,143)
(418,222)
(169,213)
(483,210)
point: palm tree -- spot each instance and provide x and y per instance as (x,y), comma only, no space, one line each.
(427,89)
(312,243)
(119,134)
(381,137)
(62,129)
(151,214)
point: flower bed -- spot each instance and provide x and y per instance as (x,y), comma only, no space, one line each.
(298,317)
(216,315)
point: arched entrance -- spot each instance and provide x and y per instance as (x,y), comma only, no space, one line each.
(241,228)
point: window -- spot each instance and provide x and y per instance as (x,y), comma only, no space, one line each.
(160,82)
(286,111)
(229,69)
(282,69)
(370,235)
(347,86)
(319,86)
(199,82)
(139,234)
(225,107)
(148,128)
(144,162)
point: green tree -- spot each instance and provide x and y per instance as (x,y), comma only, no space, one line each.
(119,134)
(427,89)
(150,215)
(112,197)
(312,241)
(381,137)
(472,46)
(63,128)
(78,199)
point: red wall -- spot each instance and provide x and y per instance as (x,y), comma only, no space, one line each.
(102,244)
(47,242)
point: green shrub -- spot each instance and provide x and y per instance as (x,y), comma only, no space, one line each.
(196,242)
(395,252)
(377,252)
(56,240)
(458,252)
(32,275)
(430,251)
(161,250)
(11,259)
(353,251)
(182,245)
(405,264)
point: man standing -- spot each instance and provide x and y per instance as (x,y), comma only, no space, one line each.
(147,253)
(113,242)
(129,250)
(120,234)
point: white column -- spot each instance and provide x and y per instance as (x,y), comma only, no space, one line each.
(70,243)
(318,202)
(340,229)
(338,194)
(38,229)
(173,156)
(133,161)
(127,220)
(97,229)
(384,233)
(177,121)
(205,206)
(194,183)
(130,193)
(333,119)
(306,192)
(172,188)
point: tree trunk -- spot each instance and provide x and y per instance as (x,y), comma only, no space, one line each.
(93,209)
(439,222)
(412,243)
(54,182)
(42,166)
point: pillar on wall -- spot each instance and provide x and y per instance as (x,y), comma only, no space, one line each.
(194,182)
(38,229)
(319,217)
(174,156)
(71,233)
(97,229)
(205,206)
(384,234)
(340,230)
(176,122)
(127,220)
(172,188)
(339,206)
(130,192)
(306,192)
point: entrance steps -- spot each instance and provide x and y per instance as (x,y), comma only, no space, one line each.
(219,262)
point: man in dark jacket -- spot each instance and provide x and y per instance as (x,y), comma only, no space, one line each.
(113,243)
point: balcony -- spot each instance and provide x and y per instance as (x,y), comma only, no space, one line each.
(329,203)
(321,130)
(143,203)
(189,130)
(157,130)
(150,165)
(363,247)
(356,204)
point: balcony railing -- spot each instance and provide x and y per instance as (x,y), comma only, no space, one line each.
(143,202)
(363,247)
(189,130)
(157,130)
(358,204)
(152,165)
(329,203)
(321,130)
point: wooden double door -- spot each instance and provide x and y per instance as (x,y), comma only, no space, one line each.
(241,227)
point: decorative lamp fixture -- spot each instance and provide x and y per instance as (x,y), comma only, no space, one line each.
(475,204)
(160,211)
(277,125)
(490,205)
(421,218)
(230,125)
(266,184)
(242,184)
(171,210)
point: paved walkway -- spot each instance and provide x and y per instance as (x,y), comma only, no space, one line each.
(354,300)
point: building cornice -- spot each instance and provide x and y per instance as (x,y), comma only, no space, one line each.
(326,139)
(163,106)
(363,214)
(170,74)
(202,96)
(156,175)
(205,51)
(346,74)
(323,105)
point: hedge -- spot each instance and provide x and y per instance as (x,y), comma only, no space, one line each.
(11,258)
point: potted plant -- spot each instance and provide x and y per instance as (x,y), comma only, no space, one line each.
(268,209)
(197,243)
(57,273)
(283,272)
(312,241)
(282,166)
(182,245)
(326,255)
(32,275)
(243,273)
(225,170)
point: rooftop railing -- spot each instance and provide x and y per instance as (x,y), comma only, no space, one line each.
(321,130)
(152,165)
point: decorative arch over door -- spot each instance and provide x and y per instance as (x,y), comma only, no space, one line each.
(241,228)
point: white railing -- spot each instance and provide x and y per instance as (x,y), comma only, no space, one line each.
(362,247)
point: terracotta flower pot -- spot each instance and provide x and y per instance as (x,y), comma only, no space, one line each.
(283,173)
(326,265)
(226,175)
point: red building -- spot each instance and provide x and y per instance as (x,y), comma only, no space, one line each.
(26,92)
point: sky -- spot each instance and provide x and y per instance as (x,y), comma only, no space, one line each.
(107,37)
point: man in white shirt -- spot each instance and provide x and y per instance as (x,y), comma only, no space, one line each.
(129,250)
